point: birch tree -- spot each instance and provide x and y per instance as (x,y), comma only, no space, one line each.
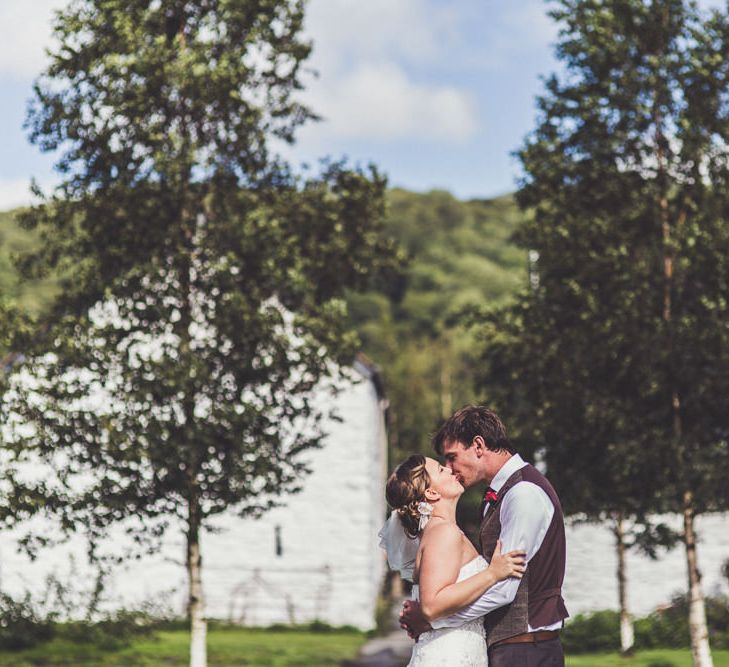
(202,291)
(626,176)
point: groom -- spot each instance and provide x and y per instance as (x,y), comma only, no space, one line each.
(522,616)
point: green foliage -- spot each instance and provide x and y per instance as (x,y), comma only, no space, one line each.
(669,627)
(614,363)
(592,633)
(314,627)
(34,296)
(21,624)
(413,362)
(483,266)
(68,610)
(202,283)
(460,257)
(112,632)
(664,628)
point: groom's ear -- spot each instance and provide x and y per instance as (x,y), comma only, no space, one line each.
(479,445)
(431,494)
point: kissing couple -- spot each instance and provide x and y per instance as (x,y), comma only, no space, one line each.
(502,607)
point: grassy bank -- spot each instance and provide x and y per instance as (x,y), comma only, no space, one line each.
(226,648)
(657,658)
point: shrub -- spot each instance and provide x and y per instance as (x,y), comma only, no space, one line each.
(595,632)
(668,627)
(112,632)
(319,627)
(664,628)
(21,626)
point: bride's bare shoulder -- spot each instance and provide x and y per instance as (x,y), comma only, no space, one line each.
(441,532)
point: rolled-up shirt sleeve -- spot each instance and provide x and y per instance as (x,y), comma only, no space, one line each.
(525,515)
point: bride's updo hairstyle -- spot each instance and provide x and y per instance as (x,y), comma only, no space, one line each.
(405,489)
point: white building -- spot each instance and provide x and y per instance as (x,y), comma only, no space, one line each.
(317,557)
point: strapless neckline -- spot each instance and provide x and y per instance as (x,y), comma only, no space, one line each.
(468,569)
(473,566)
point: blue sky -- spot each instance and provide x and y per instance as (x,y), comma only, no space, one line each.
(437,93)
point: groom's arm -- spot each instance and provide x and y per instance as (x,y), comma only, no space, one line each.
(525,514)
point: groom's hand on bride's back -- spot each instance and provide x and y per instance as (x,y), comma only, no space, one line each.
(412,619)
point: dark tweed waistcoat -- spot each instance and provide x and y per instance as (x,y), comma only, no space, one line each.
(538,599)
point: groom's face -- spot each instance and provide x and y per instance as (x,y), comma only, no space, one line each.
(465,462)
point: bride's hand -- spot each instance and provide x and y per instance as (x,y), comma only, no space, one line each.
(511,564)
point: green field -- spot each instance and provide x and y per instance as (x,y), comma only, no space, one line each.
(657,658)
(235,647)
(226,648)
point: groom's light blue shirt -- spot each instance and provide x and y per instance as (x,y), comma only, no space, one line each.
(525,515)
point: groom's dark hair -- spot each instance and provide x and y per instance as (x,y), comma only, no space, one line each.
(464,425)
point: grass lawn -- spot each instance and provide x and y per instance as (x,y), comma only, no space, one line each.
(236,647)
(226,648)
(657,658)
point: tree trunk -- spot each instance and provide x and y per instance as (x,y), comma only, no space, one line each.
(698,629)
(627,634)
(196,604)
(700,649)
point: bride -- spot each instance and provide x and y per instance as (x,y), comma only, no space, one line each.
(423,542)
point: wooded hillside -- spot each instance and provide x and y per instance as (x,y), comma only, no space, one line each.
(460,255)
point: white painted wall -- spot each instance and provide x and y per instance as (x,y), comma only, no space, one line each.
(329,568)
(591,581)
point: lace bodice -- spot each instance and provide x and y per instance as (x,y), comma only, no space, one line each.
(464,646)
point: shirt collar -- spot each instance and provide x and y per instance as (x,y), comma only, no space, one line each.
(507,470)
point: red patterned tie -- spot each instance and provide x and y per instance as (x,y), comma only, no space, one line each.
(490,496)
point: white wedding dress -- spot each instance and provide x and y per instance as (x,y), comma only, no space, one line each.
(464,646)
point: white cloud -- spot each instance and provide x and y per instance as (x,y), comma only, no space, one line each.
(363,50)
(417,30)
(25,31)
(378,102)
(365,53)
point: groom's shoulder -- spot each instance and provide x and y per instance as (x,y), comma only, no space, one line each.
(530,474)
(533,486)
(526,490)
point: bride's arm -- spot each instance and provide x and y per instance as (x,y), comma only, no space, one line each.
(440,595)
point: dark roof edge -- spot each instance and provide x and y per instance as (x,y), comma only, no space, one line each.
(364,365)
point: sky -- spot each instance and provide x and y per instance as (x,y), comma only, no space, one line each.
(436,93)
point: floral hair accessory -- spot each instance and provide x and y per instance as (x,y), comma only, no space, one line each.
(425,510)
